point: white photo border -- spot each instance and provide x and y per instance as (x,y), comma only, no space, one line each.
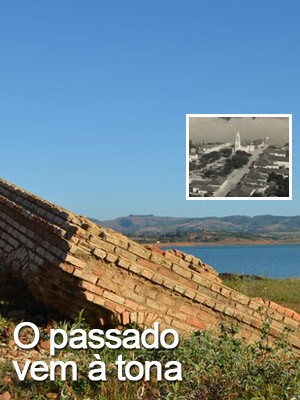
(289,116)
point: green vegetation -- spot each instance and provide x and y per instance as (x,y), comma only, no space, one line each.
(262,224)
(215,367)
(280,187)
(209,158)
(238,160)
(282,291)
(194,166)
(196,236)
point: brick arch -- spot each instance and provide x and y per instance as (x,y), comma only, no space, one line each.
(71,263)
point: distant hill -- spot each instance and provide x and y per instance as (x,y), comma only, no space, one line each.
(150,224)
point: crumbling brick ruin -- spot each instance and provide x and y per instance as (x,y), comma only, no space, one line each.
(68,262)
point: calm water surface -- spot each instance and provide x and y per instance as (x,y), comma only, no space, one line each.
(274,261)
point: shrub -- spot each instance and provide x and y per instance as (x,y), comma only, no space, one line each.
(215,367)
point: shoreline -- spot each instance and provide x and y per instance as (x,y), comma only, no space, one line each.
(223,243)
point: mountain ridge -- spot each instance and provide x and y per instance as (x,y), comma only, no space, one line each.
(147,224)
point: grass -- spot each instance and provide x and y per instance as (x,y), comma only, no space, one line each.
(283,291)
(214,368)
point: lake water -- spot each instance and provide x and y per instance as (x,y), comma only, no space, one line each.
(274,261)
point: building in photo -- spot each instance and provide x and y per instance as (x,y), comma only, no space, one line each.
(238,156)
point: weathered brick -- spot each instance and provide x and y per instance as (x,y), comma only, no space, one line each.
(209,302)
(291,322)
(67,267)
(99,300)
(179,325)
(150,318)
(196,322)
(123,263)
(147,274)
(186,282)
(125,318)
(191,294)
(119,310)
(230,311)
(72,263)
(159,307)
(171,257)
(160,260)
(136,297)
(165,299)
(166,272)
(155,249)
(187,309)
(114,297)
(188,258)
(157,279)
(102,244)
(185,265)
(98,271)
(181,271)
(177,314)
(225,292)
(131,304)
(135,268)
(179,288)
(127,255)
(99,253)
(140,317)
(92,288)
(111,257)
(168,283)
(77,272)
(167,319)
(89,277)
(148,264)
(289,313)
(296,317)
(89,296)
(133,317)
(138,250)
(219,307)
(117,241)
(75,261)
(200,298)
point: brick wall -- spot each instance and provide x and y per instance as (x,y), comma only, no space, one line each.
(68,262)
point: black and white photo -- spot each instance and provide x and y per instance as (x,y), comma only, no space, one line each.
(238,156)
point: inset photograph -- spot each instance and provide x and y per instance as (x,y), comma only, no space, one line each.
(239,156)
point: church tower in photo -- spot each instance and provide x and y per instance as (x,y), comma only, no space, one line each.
(237,145)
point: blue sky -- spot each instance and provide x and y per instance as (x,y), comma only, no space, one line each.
(93,96)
